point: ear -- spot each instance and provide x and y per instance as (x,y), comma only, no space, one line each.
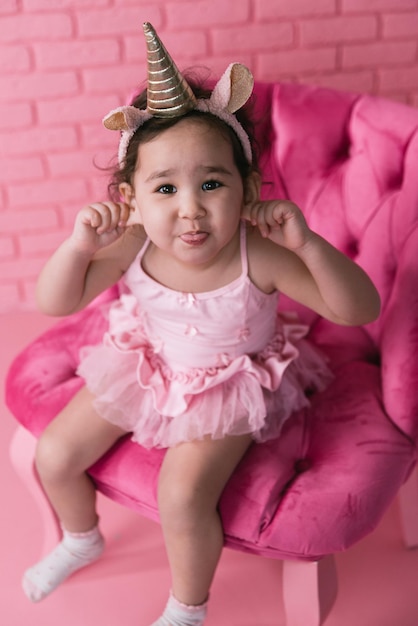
(233,89)
(128,196)
(252,187)
(127,193)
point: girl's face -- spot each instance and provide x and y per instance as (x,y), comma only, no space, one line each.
(188,193)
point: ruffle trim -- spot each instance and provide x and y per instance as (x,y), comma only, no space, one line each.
(162,407)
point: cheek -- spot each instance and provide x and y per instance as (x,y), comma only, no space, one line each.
(155,222)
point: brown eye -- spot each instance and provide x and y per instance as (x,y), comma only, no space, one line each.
(166,189)
(210,185)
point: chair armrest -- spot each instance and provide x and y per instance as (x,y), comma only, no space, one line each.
(399,343)
(41,380)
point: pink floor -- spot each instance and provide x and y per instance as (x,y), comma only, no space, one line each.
(128,587)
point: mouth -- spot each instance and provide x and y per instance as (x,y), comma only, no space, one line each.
(194,238)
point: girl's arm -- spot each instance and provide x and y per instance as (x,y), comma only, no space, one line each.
(309,269)
(93,258)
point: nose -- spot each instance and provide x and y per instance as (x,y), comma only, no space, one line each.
(190,207)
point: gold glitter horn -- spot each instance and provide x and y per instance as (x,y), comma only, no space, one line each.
(168,94)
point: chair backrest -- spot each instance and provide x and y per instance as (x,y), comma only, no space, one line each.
(350,162)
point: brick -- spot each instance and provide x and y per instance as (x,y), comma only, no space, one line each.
(20,221)
(372,6)
(76,53)
(67,164)
(182,15)
(356,82)
(28,287)
(7,247)
(98,187)
(337,30)
(32,27)
(42,244)
(117,20)
(79,109)
(186,45)
(271,66)
(17,268)
(16,115)
(58,191)
(379,54)
(252,37)
(400,25)
(37,85)
(97,136)
(35,140)
(124,3)
(399,79)
(51,5)
(9,296)
(22,169)
(14,59)
(9,6)
(98,182)
(282,9)
(122,78)
(219,63)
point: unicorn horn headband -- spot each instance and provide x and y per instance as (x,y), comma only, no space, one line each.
(170,96)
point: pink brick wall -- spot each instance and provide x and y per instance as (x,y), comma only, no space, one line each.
(64,64)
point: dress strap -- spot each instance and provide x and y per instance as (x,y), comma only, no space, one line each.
(243,248)
(143,249)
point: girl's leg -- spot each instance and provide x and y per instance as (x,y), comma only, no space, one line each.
(70,444)
(192,478)
(75,439)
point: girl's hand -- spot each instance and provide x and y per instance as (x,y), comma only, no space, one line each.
(99,224)
(281,221)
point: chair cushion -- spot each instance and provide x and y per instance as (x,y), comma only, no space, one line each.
(309,493)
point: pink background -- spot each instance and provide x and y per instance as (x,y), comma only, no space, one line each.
(65,63)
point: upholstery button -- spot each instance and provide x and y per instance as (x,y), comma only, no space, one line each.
(302,465)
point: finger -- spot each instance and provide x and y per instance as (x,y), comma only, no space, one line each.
(260,218)
(89,216)
(113,215)
(124,213)
(118,215)
(254,212)
(105,217)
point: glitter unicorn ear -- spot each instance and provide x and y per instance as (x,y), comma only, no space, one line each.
(234,88)
(170,96)
(230,93)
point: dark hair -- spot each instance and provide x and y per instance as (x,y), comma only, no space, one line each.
(153,127)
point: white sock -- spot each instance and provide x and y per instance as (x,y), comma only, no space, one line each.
(178,614)
(76,550)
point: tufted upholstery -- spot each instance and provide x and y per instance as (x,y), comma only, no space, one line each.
(349,161)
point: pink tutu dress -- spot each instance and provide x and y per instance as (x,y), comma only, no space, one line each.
(176,367)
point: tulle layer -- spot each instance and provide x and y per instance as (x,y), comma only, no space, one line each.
(162,406)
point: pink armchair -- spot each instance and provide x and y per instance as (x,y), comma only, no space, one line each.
(350,162)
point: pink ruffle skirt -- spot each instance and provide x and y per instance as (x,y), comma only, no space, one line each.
(162,406)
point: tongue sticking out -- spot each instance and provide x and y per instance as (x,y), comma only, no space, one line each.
(194,239)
